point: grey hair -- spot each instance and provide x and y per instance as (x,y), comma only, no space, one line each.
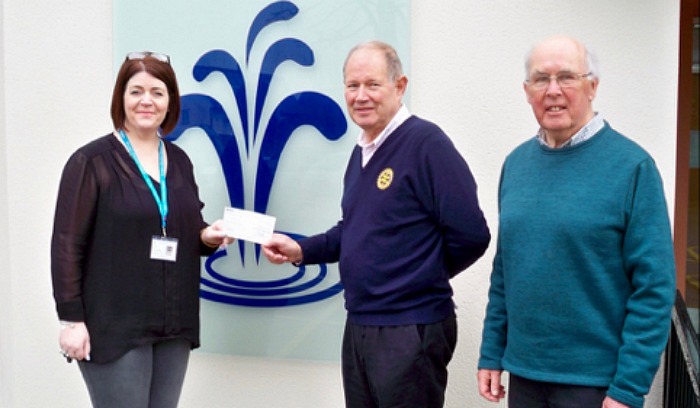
(394,69)
(590,57)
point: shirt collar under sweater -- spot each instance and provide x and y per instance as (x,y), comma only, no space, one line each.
(589,130)
(368,149)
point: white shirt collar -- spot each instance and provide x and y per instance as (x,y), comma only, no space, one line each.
(368,148)
(586,132)
(395,122)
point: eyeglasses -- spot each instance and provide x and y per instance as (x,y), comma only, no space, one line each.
(564,79)
(141,55)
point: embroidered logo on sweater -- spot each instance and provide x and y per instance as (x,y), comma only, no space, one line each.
(385,178)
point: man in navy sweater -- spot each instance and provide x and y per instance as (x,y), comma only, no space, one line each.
(583,279)
(410,221)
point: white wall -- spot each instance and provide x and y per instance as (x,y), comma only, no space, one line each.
(466,73)
(5,286)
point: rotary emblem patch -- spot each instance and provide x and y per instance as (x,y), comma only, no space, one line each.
(385,178)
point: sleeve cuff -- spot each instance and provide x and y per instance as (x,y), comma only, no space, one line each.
(625,397)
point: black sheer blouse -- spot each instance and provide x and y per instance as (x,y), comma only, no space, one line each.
(102,273)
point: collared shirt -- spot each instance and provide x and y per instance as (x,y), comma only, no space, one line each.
(587,131)
(368,148)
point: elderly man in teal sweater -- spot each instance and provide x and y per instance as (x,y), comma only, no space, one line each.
(583,278)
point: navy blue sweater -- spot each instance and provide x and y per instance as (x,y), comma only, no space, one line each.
(411,221)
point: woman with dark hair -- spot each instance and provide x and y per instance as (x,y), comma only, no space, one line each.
(127,240)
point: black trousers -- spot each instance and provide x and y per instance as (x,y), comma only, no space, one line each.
(397,366)
(524,393)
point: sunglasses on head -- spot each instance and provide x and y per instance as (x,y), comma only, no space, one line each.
(155,55)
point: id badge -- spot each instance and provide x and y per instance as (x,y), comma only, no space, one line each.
(164,248)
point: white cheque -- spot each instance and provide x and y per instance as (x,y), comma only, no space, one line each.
(248,225)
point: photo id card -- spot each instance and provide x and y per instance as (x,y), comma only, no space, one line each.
(248,225)
(163,248)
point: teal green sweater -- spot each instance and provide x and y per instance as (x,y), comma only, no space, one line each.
(583,280)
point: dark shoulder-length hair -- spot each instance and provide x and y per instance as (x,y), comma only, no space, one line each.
(158,69)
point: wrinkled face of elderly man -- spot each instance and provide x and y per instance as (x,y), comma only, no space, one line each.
(372,97)
(559,88)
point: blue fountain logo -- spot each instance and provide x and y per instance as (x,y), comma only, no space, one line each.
(299,109)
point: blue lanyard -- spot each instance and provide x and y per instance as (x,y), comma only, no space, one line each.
(161,201)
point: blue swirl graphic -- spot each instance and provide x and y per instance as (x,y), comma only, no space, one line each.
(271,293)
(296,110)
(288,49)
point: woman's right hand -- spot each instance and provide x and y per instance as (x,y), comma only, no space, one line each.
(74,340)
